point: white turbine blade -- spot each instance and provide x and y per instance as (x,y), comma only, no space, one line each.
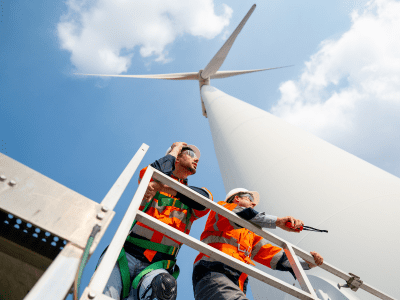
(219,58)
(224,74)
(172,76)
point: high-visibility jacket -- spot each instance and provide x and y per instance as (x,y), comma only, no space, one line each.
(170,211)
(237,242)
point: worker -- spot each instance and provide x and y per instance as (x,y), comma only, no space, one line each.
(214,280)
(146,267)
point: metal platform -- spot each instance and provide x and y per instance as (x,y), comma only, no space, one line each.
(44,228)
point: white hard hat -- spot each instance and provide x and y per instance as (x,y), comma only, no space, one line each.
(193,147)
(255,194)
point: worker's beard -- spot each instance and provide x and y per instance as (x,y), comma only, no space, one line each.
(191,170)
(186,166)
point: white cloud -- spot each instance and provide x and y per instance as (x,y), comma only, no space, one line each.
(102,34)
(349,91)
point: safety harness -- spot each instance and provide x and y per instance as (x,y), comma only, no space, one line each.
(163,264)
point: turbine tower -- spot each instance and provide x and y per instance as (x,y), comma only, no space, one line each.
(301,175)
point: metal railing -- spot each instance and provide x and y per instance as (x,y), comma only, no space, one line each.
(100,277)
(59,277)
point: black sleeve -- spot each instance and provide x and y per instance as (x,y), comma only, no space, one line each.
(284,265)
(191,203)
(247,213)
(165,164)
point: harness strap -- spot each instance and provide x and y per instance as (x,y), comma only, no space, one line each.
(125,274)
(153,246)
(162,264)
(123,263)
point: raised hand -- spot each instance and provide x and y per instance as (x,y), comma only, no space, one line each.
(176,148)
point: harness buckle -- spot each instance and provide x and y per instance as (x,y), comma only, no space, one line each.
(246,251)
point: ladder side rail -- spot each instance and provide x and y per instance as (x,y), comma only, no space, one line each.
(221,256)
(103,272)
(115,193)
(298,270)
(67,261)
(261,232)
(56,282)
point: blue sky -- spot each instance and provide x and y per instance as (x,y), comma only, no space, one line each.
(81,132)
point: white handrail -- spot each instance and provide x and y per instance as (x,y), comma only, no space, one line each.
(114,194)
(104,269)
(97,285)
(261,232)
(221,256)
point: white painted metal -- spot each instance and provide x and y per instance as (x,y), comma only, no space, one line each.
(29,195)
(49,205)
(94,296)
(265,234)
(115,193)
(299,174)
(102,273)
(220,256)
(298,271)
(327,289)
(56,282)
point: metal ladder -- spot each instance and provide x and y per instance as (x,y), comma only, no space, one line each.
(66,262)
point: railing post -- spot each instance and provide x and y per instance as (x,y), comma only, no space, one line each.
(263,233)
(101,275)
(64,269)
(113,195)
(298,270)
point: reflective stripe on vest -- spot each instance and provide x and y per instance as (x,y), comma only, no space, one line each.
(154,245)
(224,237)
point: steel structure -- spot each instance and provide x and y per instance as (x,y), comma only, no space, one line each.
(44,228)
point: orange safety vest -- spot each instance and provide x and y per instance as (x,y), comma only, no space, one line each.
(237,242)
(175,216)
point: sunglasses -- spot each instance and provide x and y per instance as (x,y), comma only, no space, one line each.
(250,196)
(190,153)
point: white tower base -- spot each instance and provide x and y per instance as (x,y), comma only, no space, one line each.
(303,176)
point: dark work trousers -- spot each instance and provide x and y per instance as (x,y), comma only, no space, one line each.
(217,286)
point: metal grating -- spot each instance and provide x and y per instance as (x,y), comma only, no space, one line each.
(29,236)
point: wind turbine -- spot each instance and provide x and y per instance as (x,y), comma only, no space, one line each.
(210,71)
(299,174)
